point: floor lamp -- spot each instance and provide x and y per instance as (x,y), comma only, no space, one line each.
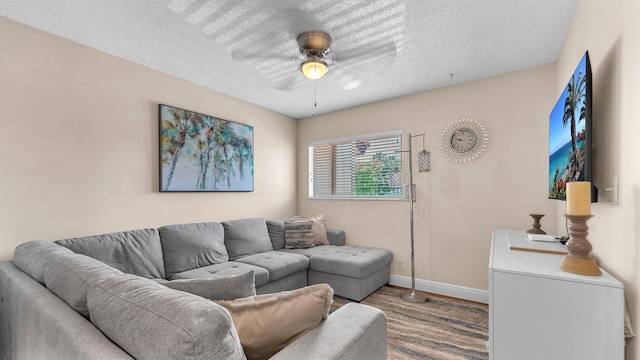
(424,164)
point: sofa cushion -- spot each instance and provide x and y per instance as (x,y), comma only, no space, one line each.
(135,252)
(261,275)
(246,237)
(313,250)
(336,237)
(279,264)
(268,323)
(32,257)
(276,233)
(352,261)
(151,321)
(191,246)
(298,234)
(216,287)
(70,277)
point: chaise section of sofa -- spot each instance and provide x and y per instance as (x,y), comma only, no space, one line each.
(353,272)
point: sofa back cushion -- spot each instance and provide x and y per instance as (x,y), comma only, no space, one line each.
(32,257)
(276,233)
(192,246)
(150,321)
(135,252)
(246,237)
(70,277)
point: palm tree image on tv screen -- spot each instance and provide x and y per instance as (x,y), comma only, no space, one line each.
(570,133)
(203,153)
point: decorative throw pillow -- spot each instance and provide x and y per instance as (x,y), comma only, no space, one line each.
(217,288)
(268,323)
(298,234)
(319,230)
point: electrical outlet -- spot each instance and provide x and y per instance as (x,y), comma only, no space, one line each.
(400,263)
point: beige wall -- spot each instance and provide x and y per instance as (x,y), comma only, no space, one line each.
(610,31)
(458,204)
(79,133)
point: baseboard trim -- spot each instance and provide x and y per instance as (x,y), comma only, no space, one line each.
(460,292)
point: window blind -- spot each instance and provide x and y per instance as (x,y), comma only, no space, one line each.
(355,168)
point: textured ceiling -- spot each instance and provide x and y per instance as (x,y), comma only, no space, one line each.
(247,48)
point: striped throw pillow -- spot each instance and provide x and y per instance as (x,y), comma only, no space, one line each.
(298,234)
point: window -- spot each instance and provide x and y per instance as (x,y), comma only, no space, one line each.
(355,168)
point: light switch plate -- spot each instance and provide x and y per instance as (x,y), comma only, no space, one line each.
(611,191)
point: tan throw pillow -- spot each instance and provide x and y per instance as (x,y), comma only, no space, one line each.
(298,234)
(319,231)
(268,323)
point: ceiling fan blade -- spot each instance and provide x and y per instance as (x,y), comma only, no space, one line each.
(344,79)
(381,54)
(297,20)
(294,82)
(377,59)
(251,55)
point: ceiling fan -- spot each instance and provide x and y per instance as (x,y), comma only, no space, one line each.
(316,58)
(315,49)
(353,52)
(277,37)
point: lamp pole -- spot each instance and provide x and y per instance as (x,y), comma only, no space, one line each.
(412,295)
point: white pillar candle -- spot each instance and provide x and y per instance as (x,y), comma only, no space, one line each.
(579,198)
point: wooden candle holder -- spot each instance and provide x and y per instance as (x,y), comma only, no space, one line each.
(578,260)
(537,227)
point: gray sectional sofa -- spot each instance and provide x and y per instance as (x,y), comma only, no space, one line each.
(44,311)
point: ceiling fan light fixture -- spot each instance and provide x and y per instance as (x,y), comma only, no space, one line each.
(314,68)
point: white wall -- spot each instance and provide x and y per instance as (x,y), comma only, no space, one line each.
(79,155)
(458,204)
(610,31)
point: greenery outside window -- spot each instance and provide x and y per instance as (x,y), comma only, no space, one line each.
(355,168)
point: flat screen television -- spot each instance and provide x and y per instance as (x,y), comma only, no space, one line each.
(570,134)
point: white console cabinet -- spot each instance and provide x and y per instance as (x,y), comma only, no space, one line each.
(539,312)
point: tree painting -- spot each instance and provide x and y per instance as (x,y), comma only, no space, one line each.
(203,153)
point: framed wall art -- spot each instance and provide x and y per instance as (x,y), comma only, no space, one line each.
(201,153)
